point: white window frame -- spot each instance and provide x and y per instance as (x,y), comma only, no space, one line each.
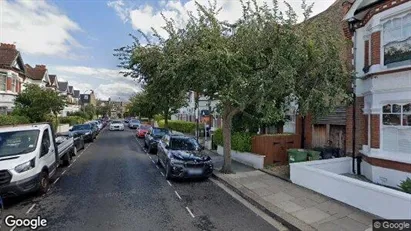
(4,75)
(398,127)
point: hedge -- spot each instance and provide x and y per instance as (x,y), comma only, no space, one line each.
(240,141)
(72,120)
(13,120)
(179,125)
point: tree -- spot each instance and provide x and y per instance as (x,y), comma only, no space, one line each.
(103,110)
(36,103)
(90,110)
(142,105)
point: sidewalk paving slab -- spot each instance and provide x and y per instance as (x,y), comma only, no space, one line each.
(294,206)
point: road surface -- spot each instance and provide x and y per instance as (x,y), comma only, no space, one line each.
(115,185)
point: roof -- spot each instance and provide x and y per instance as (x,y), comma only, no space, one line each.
(52,79)
(70,89)
(7,55)
(36,73)
(63,86)
(76,94)
(24,127)
(366,4)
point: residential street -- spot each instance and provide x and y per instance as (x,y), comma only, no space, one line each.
(114,185)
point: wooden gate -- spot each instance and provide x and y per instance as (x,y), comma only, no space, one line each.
(319,135)
(274,147)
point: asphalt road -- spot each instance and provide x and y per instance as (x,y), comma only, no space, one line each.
(114,185)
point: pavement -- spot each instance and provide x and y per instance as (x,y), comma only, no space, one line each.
(115,185)
(295,207)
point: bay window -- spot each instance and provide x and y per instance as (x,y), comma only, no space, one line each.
(396,127)
(397,41)
(3,81)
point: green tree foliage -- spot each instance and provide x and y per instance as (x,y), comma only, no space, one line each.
(254,67)
(142,105)
(36,103)
(90,111)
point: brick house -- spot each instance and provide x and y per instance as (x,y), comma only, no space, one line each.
(381,56)
(53,84)
(12,75)
(37,75)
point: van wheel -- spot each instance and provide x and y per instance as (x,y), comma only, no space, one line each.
(67,159)
(44,183)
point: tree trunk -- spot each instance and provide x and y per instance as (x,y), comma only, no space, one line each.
(303,132)
(197,98)
(166,118)
(228,115)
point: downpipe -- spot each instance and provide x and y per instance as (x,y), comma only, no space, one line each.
(354,103)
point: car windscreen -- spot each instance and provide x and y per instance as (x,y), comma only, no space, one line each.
(116,122)
(81,127)
(160,132)
(18,142)
(135,121)
(189,144)
(144,127)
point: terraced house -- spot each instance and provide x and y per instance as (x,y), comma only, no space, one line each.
(12,75)
(381,35)
(37,75)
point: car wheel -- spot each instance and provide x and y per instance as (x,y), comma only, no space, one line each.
(149,149)
(44,183)
(168,171)
(145,144)
(67,159)
(158,161)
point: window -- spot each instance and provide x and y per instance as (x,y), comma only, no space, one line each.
(13,85)
(397,41)
(3,81)
(397,114)
(396,131)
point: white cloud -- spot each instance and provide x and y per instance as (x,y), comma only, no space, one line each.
(146,16)
(37,27)
(116,91)
(107,83)
(120,8)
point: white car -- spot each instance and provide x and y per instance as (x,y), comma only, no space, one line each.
(116,125)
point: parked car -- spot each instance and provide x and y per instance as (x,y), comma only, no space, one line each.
(116,125)
(86,130)
(153,136)
(142,130)
(94,128)
(98,123)
(78,140)
(29,156)
(133,124)
(183,157)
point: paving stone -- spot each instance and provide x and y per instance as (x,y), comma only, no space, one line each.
(245,180)
(238,175)
(363,217)
(262,192)
(310,215)
(304,202)
(330,227)
(289,206)
(275,189)
(350,224)
(255,173)
(255,185)
(316,197)
(272,182)
(278,197)
(332,207)
(297,192)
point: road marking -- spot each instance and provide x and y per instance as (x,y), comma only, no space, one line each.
(14,227)
(56,180)
(169,182)
(162,173)
(178,195)
(63,172)
(150,157)
(28,211)
(189,211)
(74,160)
(153,161)
(157,167)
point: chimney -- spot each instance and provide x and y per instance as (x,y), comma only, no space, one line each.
(41,67)
(8,46)
(346,6)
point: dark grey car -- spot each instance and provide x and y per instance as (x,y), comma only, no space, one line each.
(152,138)
(183,157)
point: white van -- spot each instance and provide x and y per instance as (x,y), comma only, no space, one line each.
(29,156)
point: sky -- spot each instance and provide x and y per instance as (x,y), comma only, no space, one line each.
(76,39)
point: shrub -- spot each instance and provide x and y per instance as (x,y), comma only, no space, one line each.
(406,185)
(13,120)
(72,120)
(240,141)
(81,114)
(179,125)
(158,118)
